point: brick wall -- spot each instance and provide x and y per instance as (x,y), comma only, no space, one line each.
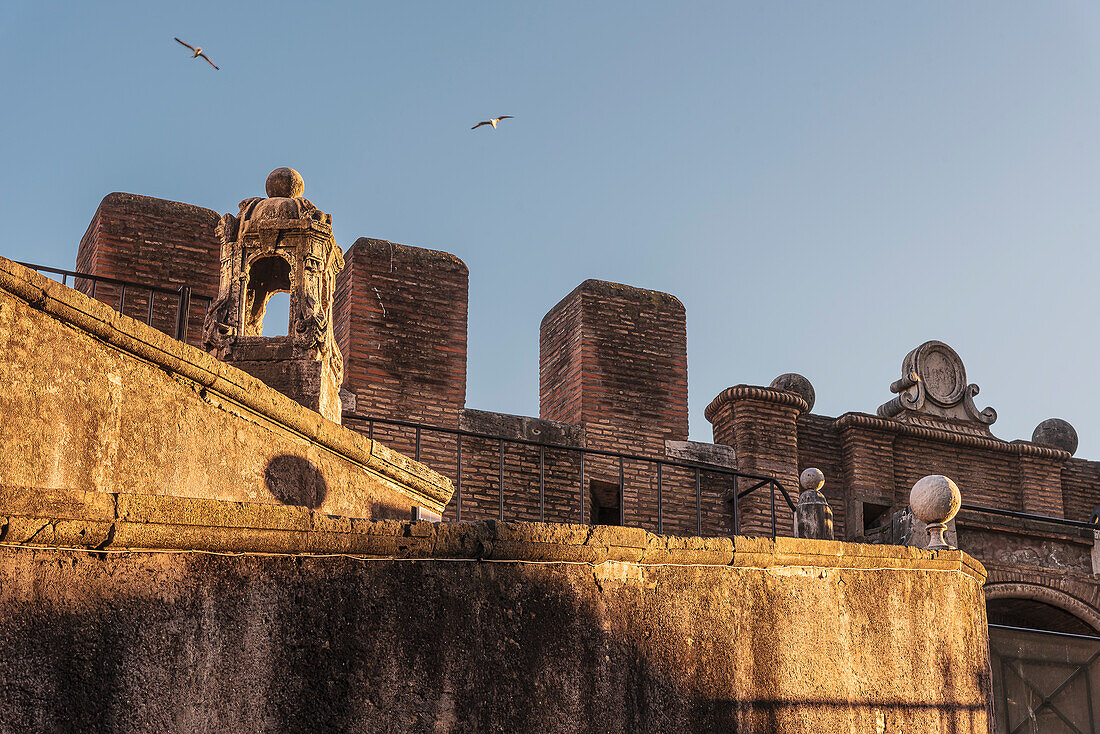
(762,426)
(153,242)
(616,356)
(613,360)
(820,446)
(401,327)
(403,331)
(560,498)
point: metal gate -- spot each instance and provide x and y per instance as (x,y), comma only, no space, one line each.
(1045,682)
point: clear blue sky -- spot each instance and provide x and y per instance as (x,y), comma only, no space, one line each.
(824,185)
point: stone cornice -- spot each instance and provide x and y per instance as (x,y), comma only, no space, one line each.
(37,518)
(754,392)
(864,421)
(229,384)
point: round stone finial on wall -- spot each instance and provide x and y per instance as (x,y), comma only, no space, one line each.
(1057,433)
(286,183)
(935,500)
(812,480)
(796,383)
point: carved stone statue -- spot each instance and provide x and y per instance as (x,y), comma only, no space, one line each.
(933,390)
(282,243)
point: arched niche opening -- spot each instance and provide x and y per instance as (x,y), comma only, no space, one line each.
(1035,615)
(1038,607)
(267,277)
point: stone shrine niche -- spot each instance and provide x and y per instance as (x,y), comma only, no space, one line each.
(933,391)
(280,244)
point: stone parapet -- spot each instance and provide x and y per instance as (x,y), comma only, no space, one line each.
(248,617)
(36,517)
(153,415)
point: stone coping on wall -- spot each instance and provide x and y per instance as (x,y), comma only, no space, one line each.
(32,517)
(944,435)
(215,377)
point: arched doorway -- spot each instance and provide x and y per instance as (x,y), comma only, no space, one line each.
(1044,651)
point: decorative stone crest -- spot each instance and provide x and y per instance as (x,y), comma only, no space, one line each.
(282,243)
(933,389)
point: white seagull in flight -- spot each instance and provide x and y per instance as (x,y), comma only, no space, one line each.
(492,122)
(198,53)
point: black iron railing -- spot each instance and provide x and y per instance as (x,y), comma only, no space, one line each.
(1029,517)
(182,296)
(619,459)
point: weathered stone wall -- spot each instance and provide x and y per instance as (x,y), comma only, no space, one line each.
(469,627)
(94,400)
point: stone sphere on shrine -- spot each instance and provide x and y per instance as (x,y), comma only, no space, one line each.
(285,183)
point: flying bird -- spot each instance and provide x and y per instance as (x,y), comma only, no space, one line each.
(198,53)
(492,122)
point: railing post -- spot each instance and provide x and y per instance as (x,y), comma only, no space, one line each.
(184,313)
(417,457)
(370,430)
(500,470)
(698,503)
(582,488)
(458,484)
(622,495)
(542,484)
(736,514)
(122,300)
(660,500)
(152,295)
(771,485)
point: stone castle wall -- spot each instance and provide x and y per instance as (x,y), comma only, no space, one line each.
(418,627)
(613,368)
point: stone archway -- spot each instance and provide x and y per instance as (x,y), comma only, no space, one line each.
(1044,594)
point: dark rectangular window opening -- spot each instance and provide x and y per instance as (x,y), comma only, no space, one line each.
(874,516)
(604,502)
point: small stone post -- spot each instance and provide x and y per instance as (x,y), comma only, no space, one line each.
(813,518)
(935,500)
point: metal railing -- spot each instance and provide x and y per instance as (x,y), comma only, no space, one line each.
(659,464)
(183,295)
(1030,517)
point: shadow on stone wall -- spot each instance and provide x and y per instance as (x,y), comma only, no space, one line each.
(296,481)
(157,643)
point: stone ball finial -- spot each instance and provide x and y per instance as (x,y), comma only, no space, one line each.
(286,183)
(796,383)
(811,480)
(935,500)
(1057,433)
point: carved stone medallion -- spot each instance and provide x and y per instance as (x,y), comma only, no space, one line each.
(933,389)
(942,371)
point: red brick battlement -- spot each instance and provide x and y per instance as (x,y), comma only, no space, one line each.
(155,242)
